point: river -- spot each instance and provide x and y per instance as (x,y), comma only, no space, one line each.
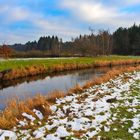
(43,84)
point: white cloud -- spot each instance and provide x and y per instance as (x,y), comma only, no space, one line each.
(13,13)
(18,14)
(95,12)
(9,37)
(100,13)
(132,2)
(40,25)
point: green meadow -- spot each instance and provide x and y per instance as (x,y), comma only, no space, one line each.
(21,63)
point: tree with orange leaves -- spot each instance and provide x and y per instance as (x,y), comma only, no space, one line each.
(5,51)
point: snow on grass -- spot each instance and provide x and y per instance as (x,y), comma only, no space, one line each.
(26,59)
(53,108)
(110,110)
(39,133)
(5,134)
(30,117)
(38,114)
(135,127)
(23,123)
(62,132)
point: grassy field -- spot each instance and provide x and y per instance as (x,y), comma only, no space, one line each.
(13,64)
(126,116)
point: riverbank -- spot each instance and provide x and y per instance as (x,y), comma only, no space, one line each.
(94,110)
(13,69)
(28,87)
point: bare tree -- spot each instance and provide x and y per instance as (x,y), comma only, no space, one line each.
(105,41)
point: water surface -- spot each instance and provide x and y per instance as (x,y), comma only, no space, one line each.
(28,87)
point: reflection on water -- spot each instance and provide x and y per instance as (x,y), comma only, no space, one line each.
(29,86)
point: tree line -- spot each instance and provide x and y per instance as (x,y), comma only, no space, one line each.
(49,44)
(124,41)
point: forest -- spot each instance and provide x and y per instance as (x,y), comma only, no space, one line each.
(124,41)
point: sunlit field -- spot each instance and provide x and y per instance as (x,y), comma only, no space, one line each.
(12,64)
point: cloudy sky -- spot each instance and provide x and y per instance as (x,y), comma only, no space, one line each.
(24,20)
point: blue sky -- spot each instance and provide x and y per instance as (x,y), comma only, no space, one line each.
(24,20)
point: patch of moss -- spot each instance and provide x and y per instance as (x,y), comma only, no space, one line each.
(120,133)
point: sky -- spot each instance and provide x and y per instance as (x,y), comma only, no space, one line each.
(27,20)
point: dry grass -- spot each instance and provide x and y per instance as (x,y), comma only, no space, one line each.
(77,134)
(13,112)
(15,108)
(102,63)
(23,72)
(34,70)
(76,89)
(52,96)
(110,75)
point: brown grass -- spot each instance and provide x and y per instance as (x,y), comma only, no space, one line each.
(34,70)
(76,89)
(15,108)
(52,96)
(23,72)
(110,75)
(77,134)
